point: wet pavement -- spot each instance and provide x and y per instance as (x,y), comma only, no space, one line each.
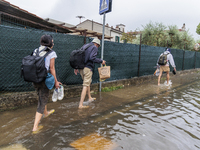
(106,119)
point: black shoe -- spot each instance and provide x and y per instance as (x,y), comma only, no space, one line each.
(174,72)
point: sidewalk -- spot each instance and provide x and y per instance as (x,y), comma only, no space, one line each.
(17,124)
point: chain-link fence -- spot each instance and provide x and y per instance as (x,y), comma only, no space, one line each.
(126,60)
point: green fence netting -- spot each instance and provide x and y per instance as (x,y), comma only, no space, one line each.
(197,62)
(189,60)
(148,59)
(16,43)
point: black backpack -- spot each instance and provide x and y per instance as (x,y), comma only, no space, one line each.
(33,66)
(163,59)
(77,57)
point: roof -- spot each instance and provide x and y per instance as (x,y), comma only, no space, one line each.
(10,10)
(113,29)
(59,23)
(88,33)
(120,25)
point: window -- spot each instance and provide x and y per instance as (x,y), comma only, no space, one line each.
(117,39)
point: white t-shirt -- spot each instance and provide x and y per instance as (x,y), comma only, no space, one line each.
(48,57)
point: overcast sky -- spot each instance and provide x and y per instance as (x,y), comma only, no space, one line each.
(133,14)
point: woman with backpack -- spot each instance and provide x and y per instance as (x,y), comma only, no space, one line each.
(46,42)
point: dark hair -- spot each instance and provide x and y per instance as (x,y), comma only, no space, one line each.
(46,40)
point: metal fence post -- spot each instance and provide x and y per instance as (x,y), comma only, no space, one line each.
(139,55)
(183,59)
(195,60)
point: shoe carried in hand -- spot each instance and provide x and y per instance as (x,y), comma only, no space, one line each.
(174,72)
(60,92)
(55,95)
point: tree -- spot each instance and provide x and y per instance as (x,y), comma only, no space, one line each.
(157,34)
(154,34)
(198,29)
(128,37)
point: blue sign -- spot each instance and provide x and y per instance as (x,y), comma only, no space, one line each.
(105,6)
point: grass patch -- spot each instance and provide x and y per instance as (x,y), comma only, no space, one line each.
(112,88)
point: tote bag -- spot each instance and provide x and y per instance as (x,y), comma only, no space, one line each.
(104,72)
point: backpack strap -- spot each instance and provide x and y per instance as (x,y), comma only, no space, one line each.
(48,52)
(37,52)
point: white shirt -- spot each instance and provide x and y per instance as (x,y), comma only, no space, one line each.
(48,57)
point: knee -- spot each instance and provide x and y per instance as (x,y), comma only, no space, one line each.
(41,108)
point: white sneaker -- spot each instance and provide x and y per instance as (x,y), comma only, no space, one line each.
(60,92)
(55,95)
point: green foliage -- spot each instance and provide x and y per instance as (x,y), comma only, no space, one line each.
(157,34)
(197,41)
(198,29)
(113,88)
(128,37)
(154,34)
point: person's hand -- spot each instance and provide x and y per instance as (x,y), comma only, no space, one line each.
(57,84)
(174,69)
(76,71)
(103,62)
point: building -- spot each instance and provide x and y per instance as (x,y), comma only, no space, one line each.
(12,15)
(112,34)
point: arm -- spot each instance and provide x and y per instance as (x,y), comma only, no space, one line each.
(171,60)
(76,71)
(93,58)
(53,72)
(93,55)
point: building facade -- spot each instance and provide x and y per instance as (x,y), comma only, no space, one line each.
(114,33)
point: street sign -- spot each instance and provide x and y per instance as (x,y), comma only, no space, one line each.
(105,6)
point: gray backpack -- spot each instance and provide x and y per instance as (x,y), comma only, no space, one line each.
(163,59)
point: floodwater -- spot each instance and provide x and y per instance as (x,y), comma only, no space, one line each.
(142,117)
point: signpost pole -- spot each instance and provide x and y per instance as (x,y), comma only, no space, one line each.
(105,7)
(102,45)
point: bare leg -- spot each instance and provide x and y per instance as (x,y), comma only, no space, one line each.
(45,111)
(159,77)
(38,117)
(84,90)
(88,92)
(168,78)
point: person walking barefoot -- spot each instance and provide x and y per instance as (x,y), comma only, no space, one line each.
(86,73)
(46,41)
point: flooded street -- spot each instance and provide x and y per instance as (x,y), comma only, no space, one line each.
(142,117)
